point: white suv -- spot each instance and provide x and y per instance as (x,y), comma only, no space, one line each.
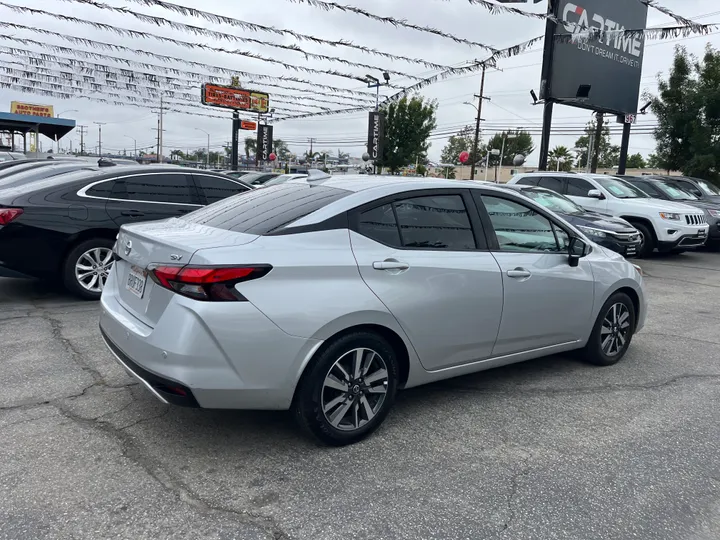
(665,225)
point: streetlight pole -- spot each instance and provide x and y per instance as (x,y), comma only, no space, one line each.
(207,156)
(100,125)
(135,144)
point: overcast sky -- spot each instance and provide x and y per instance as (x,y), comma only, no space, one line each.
(508,87)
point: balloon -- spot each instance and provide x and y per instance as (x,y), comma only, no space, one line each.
(518,160)
(272,156)
(464,156)
(366,157)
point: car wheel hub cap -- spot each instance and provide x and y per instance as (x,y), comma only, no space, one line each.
(92,269)
(354,389)
(615,329)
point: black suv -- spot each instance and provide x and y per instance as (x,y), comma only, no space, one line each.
(691,191)
(64,226)
(613,233)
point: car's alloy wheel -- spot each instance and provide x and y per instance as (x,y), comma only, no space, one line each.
(615,329)
(347,389)
(93,267)
(354,389)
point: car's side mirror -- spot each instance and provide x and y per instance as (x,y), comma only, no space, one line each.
(576,251)
(595,194)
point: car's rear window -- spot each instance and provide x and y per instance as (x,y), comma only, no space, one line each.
(262,211)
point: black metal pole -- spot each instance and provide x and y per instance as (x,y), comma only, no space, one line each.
(624,145)
(546,82)
(235,130)
(545,137)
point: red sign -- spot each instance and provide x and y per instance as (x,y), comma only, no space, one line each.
(247,124)
(228,97)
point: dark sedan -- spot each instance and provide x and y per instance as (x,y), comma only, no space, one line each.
(613,233)
(681,190)
(64,226)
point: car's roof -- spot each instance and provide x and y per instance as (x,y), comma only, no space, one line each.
(362,182)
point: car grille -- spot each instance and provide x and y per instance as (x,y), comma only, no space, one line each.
(626,237)
(695,219)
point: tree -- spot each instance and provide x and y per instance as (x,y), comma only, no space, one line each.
(560,159)
(281,150)
(516,142)
(250,146)
(653,162)
(343,157)
(408,123)
(688,115)
(636,161)
(609,153)
(461,142)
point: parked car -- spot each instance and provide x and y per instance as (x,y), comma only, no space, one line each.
(17,177)
(284,178)
(326,296)
(613,233)
(63,227)
(663,225)
(702,189)
(258,178)
(661,188)
(236,174)
(11,156)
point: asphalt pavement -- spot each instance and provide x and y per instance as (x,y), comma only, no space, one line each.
(549,449)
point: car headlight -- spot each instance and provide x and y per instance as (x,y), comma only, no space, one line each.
(670,216)
(597,233)
(714,213)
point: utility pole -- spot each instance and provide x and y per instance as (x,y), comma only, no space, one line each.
(598,138)
(100,125)
(480,97)
(312,140)
(83,130)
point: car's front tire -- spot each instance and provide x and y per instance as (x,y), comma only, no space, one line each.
(648,242)
(348,389)
(87,267)
(613,331)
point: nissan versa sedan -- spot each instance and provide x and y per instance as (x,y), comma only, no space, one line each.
(327,296)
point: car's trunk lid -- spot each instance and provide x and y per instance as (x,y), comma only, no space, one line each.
(168,242)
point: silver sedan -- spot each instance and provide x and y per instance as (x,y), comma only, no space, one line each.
(328,296)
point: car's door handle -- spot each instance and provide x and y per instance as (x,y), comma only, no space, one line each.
(132,213)
(390,264)
(519,273)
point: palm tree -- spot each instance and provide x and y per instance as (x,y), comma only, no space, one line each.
(250,146)
(560,159)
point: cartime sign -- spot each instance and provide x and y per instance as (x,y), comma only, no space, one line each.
(264,142)
(595,65)
(376,124)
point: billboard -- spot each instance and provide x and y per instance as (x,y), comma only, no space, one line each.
(17,107)
(376,125)
(229,97)
(601,73)
(264,142)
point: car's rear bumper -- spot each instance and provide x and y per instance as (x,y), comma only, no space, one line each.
(224,355)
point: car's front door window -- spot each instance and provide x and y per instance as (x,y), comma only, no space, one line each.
(521,228)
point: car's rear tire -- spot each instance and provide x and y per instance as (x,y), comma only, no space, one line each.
(648,243)
(612,333)
(86,268)
(348,389)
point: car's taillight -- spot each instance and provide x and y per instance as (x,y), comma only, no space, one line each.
(9,214)
(209,283)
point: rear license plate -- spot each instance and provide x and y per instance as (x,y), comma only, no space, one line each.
(136,281)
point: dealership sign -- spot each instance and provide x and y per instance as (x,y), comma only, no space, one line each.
(376,125)
(264,142)
(238,99)
(594,64)
(247,124)
(29,109)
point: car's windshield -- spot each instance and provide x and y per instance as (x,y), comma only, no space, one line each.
(553,201)
(708,188)
(621,189)
(675,193)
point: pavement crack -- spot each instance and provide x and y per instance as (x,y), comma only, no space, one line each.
(77,356)
(514,486)
(133,451)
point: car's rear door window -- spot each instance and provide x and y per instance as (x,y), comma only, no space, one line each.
(216,189)
(552,182)
(529,181)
